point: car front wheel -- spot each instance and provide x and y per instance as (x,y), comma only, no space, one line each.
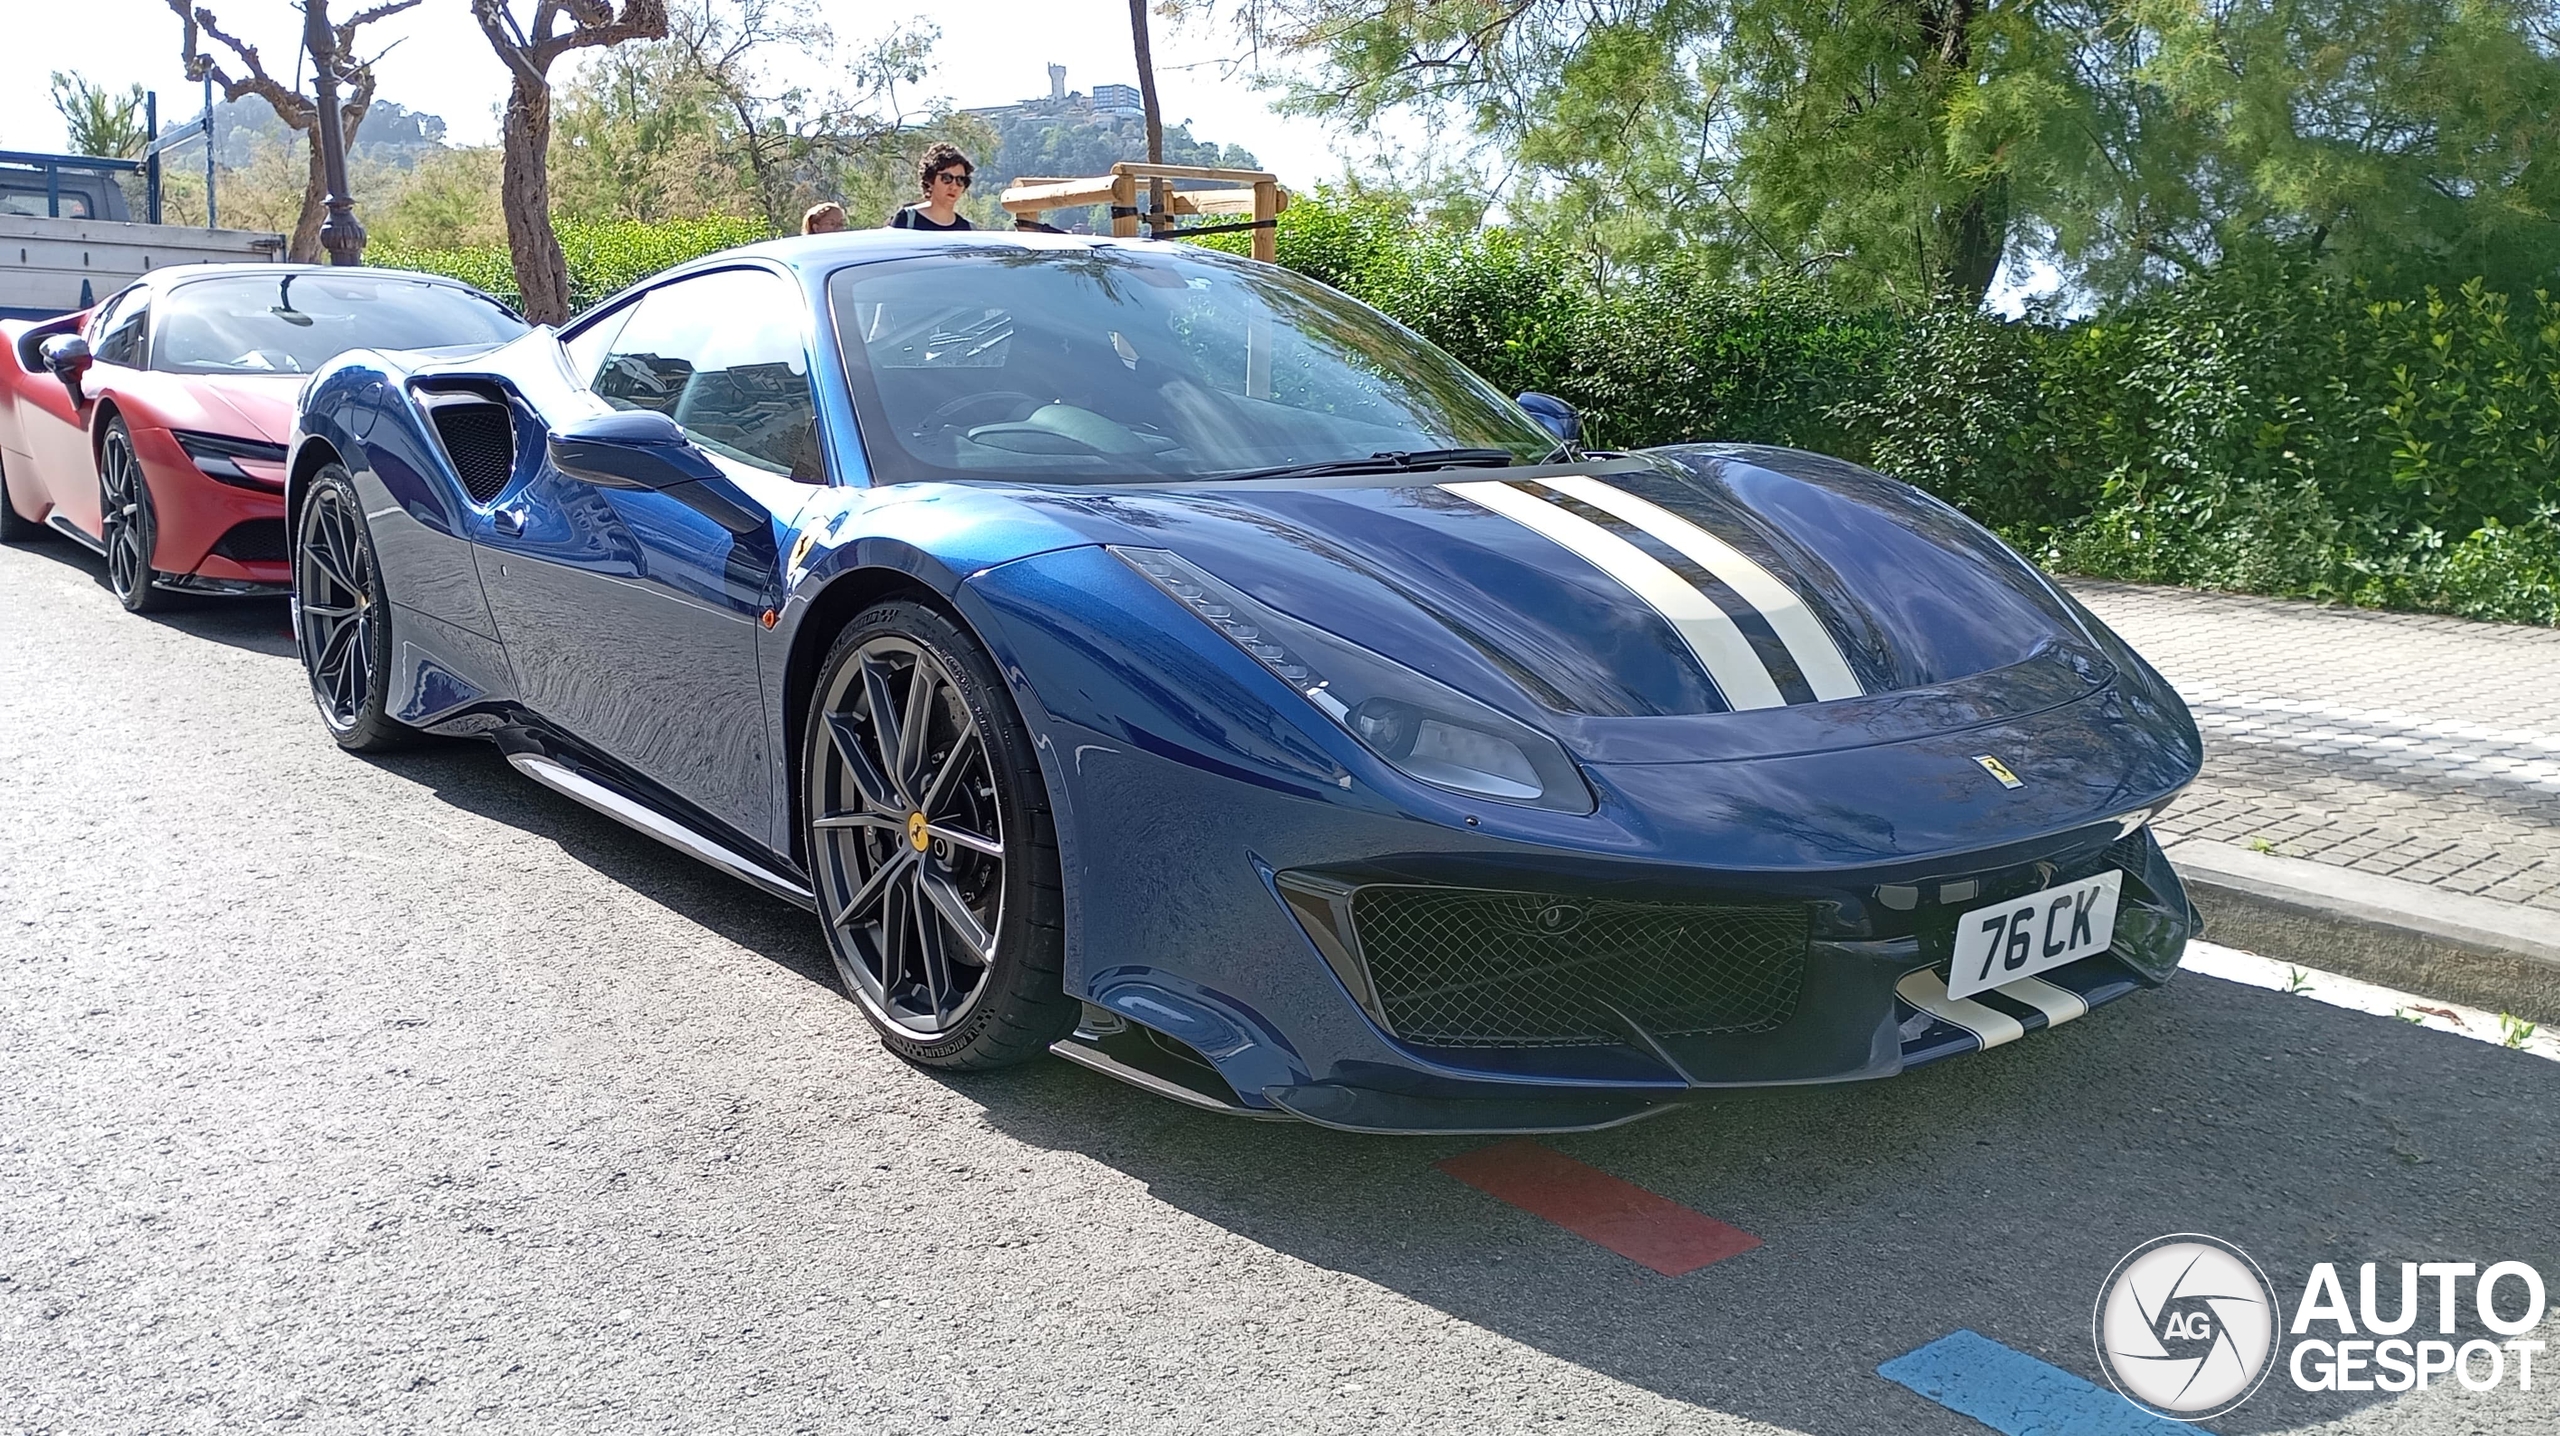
(931,845)
(340,618)
(125,522)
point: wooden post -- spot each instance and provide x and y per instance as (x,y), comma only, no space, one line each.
(1124,204)
(1266,208)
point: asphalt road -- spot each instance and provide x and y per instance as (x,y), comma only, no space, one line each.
(400,1096)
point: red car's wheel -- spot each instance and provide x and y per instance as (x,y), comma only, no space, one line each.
(125,522)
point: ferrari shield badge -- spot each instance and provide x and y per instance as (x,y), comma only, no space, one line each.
(1999,770)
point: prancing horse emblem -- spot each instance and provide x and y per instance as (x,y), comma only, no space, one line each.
(1999,770)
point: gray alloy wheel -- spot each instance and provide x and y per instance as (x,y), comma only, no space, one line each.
(340,617)
(125,522)
(929,838)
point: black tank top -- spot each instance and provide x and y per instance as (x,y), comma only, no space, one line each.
(913,218)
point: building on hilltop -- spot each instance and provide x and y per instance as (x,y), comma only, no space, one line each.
(1068,133)
(1115,101)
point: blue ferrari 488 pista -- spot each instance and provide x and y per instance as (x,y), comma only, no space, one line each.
(1159,659)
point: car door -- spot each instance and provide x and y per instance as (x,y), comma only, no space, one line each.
(631,619)
(56,430)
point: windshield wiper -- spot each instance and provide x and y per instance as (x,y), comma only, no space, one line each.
(1391,461)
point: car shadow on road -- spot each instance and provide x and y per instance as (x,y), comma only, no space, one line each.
(1993,1193)
(258,623)
(471,775)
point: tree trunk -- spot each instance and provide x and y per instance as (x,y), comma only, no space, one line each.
(768,187)
(1158,191)
(1973,229)
(1972,237)
(305,245)
(524,192)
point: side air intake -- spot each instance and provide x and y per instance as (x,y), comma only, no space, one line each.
(479,436)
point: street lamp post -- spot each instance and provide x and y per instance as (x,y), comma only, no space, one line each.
(340,234)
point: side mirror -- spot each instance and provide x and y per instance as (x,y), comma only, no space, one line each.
(644,449)
(1553,415)
(67,356)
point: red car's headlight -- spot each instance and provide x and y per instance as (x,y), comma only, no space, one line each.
(241,463)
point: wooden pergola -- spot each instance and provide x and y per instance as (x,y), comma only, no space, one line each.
(1250,192)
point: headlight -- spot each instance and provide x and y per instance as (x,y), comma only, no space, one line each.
(1421,727)
(219,457)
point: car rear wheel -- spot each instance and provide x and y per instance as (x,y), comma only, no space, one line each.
(340,617)
(126,524)
(930,839)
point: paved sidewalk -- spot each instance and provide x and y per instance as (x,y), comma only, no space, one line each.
(2419,747)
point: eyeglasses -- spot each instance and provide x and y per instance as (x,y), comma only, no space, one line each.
(954,177)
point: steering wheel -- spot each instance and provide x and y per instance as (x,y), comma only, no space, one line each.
(971,401)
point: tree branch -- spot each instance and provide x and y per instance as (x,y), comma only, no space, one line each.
(289,104)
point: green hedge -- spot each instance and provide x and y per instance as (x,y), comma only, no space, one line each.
(604,257)
(2260,428)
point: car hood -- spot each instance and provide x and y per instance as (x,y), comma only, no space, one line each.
(1908,618)
(247,405)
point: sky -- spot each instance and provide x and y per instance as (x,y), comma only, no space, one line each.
(992,52)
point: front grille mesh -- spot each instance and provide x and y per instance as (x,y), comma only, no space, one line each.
(252,541)
(1471,967)
(482,444)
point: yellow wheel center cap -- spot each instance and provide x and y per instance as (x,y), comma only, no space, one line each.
(916,834)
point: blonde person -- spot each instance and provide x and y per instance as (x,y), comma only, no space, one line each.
(944,173)
(826,217)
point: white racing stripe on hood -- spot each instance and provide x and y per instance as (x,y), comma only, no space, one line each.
(1816,655)
(1720,645)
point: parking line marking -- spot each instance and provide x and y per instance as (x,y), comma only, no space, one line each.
(2432,1013)
(1645,1228)
(2017,1395)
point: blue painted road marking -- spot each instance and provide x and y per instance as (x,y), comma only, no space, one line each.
(2017,1395)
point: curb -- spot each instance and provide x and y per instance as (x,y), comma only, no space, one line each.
(2492,955)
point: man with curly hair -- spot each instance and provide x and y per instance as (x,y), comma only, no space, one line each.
(944,175)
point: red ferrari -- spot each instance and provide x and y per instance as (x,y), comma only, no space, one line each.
(152,428)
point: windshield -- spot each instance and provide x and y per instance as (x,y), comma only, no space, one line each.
(1097,364)
(295,322)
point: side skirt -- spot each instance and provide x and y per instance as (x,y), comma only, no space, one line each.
(639,817)
(71,531)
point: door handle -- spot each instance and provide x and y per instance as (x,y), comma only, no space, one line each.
(509,522)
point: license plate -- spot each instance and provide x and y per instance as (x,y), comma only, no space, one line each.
(2024,936)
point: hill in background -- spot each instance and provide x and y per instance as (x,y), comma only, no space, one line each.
(1068,133)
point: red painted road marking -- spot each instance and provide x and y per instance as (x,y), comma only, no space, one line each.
(1644,1228)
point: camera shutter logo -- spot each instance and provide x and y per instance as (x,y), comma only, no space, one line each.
(2186,1326)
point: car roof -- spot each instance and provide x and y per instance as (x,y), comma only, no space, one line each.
(170,276)
(818,253)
